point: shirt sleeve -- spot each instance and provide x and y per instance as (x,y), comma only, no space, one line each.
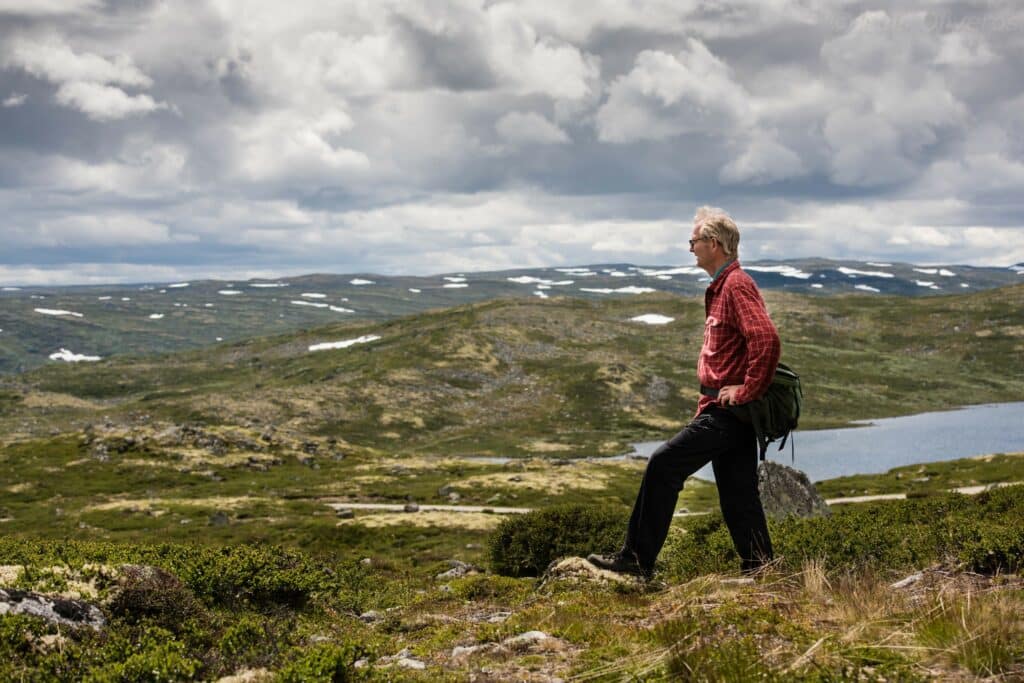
(762,339)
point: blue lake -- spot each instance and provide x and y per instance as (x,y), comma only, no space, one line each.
(882,444)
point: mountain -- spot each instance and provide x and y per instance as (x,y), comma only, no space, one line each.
(113,320)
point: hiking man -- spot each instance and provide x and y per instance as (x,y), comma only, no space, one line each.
(737,362)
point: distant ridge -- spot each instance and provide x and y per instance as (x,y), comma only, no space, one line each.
(88,321)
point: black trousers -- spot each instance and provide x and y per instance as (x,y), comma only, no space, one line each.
(718,436)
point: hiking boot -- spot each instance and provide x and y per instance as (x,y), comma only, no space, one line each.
(620,563)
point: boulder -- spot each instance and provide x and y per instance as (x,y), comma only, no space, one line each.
(786,491)
(55,610)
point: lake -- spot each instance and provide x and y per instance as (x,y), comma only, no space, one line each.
(885,443)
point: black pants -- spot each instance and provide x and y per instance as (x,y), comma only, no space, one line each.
(718,436)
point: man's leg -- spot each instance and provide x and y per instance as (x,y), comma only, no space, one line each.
(667,469)
(736,475)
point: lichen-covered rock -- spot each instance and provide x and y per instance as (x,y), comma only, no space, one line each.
(55,610)
(786,491)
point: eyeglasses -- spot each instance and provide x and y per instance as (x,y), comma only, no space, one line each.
(699,239)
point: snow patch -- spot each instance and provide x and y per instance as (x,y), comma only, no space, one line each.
(927,271)
(269,284)
(869,273)
(339,309)
(541,294)
(12,289)
(784,271)
(652,319)
(866,288)
(104,298)
(455,285)
(879,265)
(359,282)
(69,357)
(817,285)
(156,316)
(178,285)
(313,295)
(55,311)
(527,280)
(229,292)
(620,290)
(344,344)
(455,279)
(309,303)
(414,290)
(946,273)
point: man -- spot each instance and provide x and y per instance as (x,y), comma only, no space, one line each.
(737,363)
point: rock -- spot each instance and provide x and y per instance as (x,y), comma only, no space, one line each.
(578,569)
(410,663)
(909,581)
(345,513)
(458,570)
(371,616)
(498,617)
(411,507)
(786,491)
(473,546)
(55,610)
(454,497)
(465,650)
(219,518)
(524,640)
(248,676)
(310,447)
(445,491)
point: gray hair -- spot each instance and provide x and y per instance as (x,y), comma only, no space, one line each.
(715,223)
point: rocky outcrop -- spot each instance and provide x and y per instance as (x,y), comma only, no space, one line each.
(55,610)
(786,491)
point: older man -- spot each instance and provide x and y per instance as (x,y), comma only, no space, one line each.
(736,365)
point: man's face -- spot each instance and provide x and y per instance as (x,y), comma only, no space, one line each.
(702,248)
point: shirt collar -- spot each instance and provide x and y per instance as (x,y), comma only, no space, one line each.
(726,267)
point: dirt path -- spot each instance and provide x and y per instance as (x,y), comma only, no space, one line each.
(397,507)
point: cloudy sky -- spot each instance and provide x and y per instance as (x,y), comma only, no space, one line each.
(159,140)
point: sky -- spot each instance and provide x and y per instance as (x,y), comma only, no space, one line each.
(150,140)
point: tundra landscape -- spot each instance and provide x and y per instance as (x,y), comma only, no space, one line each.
(390,499)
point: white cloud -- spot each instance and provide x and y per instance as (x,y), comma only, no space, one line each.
(14,100)
(105,102)
(53,59)
(102,230)
(43,8)
(529,127)
(764,160)
(670,94)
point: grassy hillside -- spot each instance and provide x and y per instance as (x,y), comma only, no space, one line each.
(555,377)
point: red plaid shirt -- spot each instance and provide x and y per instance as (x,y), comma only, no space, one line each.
(741,344)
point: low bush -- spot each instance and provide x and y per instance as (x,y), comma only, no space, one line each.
(228,575)
(981,532)
(524,545)
(326,662)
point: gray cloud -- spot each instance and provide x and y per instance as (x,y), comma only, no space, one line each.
(367,135)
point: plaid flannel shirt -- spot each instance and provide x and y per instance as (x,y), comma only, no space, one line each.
(741,345)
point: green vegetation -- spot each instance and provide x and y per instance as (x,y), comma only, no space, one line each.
(190,498)
(524,545)
(980,533)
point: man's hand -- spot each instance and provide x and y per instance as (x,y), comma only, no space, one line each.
(727,394)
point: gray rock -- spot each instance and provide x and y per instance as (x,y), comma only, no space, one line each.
(411,507)
(219,518)
(345,513)
(786,491)
(458,570)
(371,616)
(445,490)
(55,610)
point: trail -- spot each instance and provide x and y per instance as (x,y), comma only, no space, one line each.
(400,507)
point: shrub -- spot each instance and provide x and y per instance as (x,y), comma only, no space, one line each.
(154,594)
(524,545)
(327,662)
(983,532)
